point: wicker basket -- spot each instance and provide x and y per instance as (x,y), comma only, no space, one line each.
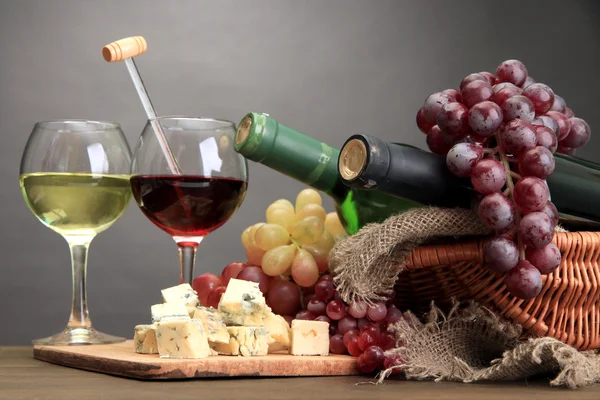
(568,308)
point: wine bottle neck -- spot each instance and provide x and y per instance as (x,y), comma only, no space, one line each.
(262,139)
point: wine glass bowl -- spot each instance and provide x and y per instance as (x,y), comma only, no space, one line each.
(74,177)
(209,189)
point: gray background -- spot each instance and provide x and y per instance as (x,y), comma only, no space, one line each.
(327,68)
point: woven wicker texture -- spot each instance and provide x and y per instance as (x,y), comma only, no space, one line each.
(568,308)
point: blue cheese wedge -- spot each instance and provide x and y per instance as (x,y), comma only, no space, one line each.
(310,338)
(145,339)
(245,341)
(182,294)
(181,338)
(213,324)
(279,331)
(243,304)
(169,311)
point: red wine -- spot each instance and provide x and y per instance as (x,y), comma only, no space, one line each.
(187,205)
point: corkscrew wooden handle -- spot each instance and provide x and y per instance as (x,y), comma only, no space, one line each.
(124,48)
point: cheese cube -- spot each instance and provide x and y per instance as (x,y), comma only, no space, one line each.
(169,311)
(182,294)
(246,341)
(279,331)
(145,339)
(243,304)
(310,338)
(213,324)
(179,338)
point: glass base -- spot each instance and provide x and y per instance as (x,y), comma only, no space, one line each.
(78,336)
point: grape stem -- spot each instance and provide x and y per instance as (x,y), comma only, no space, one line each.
(491,151)
(510,186)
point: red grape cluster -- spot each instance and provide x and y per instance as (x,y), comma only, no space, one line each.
(356,329)
(502,132)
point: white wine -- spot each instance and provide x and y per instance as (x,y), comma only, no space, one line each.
(82,204)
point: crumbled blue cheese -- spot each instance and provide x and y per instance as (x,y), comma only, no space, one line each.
(180,338)
(243,304)
(169,311)
(145,339)
(246,341)
(182,294)
(213,324)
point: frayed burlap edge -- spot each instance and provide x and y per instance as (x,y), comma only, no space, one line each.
(473,344)
(366,265)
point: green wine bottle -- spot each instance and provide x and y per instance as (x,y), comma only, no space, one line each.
(262,139)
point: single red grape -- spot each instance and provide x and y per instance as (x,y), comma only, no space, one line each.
(496,211)
(485,118)
(316,306)
(500,254)
(204,284)
(370,327)
(433,104)
(393,315)
(422,123)
(530,194)
(518,136)
(462,157)
(323,318)
(436,142)
(566,150)
(324,289)
(386,340)
(505,92)
(546,259)
(363,366)
(336,344)
(358,309)
(579,134)
(373,355)
(284,297)
(346,324)
(568,113)
(336,310)
(353,347)
(538,162)
(536,230)
(541,96)
(518,107)
(453,120)
(488,176)
(366,339)
(545,120)
(476,92)
(524,280)
(472,77)
(377,312)
(512,71)
(288,319)
(528,81)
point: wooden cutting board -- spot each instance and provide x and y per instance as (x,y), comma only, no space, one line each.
(121,359)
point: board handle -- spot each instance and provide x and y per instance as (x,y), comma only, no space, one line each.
(124,48)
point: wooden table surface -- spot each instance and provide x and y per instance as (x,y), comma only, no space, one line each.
(22,377)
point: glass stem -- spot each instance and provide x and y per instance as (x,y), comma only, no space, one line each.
(187,259)
(80,317)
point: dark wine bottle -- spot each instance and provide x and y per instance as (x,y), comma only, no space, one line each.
(262,139)
(369,163)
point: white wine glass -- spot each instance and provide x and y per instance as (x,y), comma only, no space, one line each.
(74,177)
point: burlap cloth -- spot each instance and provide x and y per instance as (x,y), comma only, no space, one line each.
(469,343)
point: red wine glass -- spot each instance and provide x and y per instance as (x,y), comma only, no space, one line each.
(210,188)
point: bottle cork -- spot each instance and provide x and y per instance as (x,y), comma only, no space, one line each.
(124,48)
